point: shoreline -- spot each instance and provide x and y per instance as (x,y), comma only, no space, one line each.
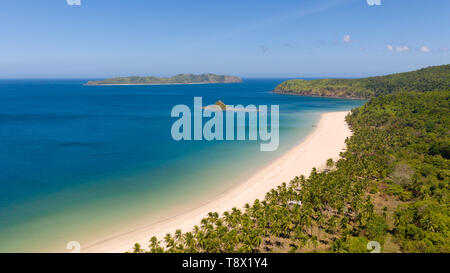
(317,96)
(326,141)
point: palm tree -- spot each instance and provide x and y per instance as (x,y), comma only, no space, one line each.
(330,163)
(137,248)
(170,243)
(154,245)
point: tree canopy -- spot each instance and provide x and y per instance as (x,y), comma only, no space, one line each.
(426,79)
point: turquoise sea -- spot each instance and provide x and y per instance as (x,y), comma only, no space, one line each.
(82,163)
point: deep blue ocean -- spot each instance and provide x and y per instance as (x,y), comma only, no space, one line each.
(83,162)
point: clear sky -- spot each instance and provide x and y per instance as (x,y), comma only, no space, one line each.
(249,38)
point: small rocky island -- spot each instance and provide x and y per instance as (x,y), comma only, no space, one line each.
(177,79)
(219,103)
(222,105)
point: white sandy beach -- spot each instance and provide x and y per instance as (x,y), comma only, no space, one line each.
(326,141)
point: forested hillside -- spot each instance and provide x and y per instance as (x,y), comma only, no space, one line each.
(427,79)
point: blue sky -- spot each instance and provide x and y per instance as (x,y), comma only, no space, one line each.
(250,38)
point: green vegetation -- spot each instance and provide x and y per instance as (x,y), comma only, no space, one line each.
(391,185)
(410,137)
(177,79)
(427,79)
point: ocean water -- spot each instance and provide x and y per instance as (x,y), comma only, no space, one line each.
(83,163)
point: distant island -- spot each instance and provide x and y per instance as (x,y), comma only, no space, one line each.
(177,79)
(426,79)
